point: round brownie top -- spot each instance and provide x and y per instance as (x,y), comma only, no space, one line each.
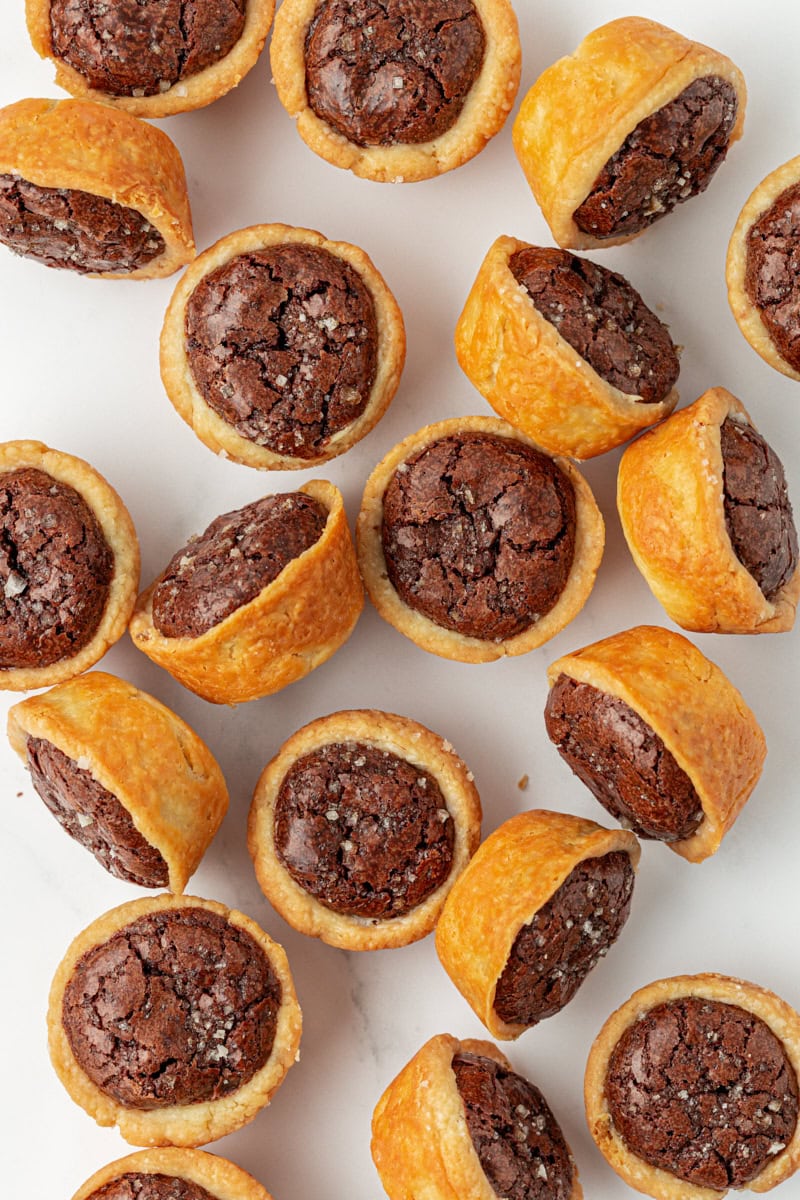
(703,1090)
(283,345)
(758,515)
(603,318)
(622,761)
(367,833)
(178,1007)
(138,1185)
(136,48)
(552,954)
(55,570)
(669,157)
(388,72)
(236,558)
(479,534)
(515,1135)
(772,272)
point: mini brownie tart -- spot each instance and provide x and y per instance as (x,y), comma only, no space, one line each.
(123,775)
(359,826)
(92,190)
(262,597)
(706,514)
(658,734)
(637,120)
(396,90)
(458,1121)
(474,542)
(152,58)
(565,350)
(174,1019)
(69,566)
(171,1174)
(280,348)
(692,1088)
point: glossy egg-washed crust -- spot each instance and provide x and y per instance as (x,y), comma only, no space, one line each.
(292,626)
(421,1144)
(671,504)
(160,771)
(387,732)
(222,1179)
(120,535)
(178,1124)
(217,433)
(195,91)
(485,110)
(747,315)
(696,711)
(589,543)
(653,1181)
(532,376)
(511,876)
(582,108)
(89,147)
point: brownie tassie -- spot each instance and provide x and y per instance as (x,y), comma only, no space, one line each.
(396,90)
(359,826)
(171,1173)
(152,59)
(123,775)
(459,1121)
(174,1019)
(266,594)
(564,349)
(637,120)
(692,1088)
(706,514)
(91,190)
(539,904)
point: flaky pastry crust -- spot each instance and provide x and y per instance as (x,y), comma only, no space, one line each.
(221,1178)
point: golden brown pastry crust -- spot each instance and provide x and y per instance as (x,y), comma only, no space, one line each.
(215,432)
(776,1014)
(589,542)
(408,740)
(699,715)
(292,626)
(582,108)
(179,1124)
(221,1178)
(421,1144)
(511,876)
(89,147)
(195,91)
(485,110)
(670,501)
(160,771)
(748,316)
(120,535)
(532,377)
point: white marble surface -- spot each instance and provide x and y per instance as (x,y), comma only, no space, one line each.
(80,372)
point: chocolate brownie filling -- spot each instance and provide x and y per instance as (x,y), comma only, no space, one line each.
(55,570)
(603,318)
(669,157)
(93,816)
(142,47)
(556,950)
(365,832)
(479,534)
(62,227)
(758,515)
(136,1185)
(622,761)
(515,1135)
(704,1090)
(236,558)
(178,1007)
(283,345)
(387,72)
(772,272)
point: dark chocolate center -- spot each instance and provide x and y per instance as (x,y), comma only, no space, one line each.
(136,1185)
(772,272)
